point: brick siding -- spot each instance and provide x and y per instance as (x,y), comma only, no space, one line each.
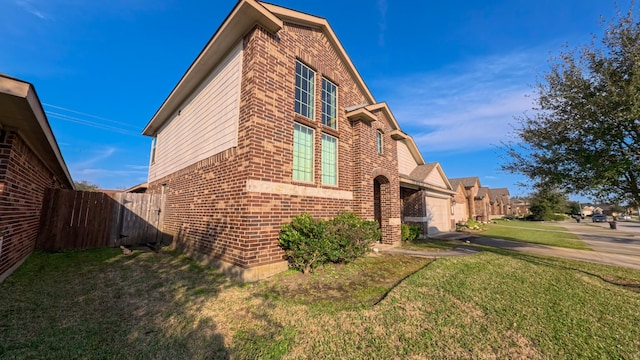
(209,210)
(23,181)
(413,206)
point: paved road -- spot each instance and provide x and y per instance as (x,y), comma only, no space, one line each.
(598,236)
(619,247)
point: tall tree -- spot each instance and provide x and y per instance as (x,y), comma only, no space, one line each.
(584,132)
(84,185)
(546,203)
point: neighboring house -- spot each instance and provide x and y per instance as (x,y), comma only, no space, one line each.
(500,202)
(271,120)
(604,209)
(482,204)
(138,189)
(459,202)
(588,209)
(519,206)
(30,163)
(426,197)
(471,186)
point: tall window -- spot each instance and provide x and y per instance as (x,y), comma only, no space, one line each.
(154,142)
(379,141)
(305,78)
(302,153)
(329,103)
(329,160)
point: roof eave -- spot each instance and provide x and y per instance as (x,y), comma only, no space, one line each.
(422,185)
(361,114)
(245,15)
(32,125)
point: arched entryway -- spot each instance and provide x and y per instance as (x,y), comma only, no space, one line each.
(381,204)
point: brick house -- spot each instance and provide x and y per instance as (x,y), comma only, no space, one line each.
(459,202)
(271,120)
(482,204)
(30,163)
(519,206)
(500,202)
(471,186)
(426,197)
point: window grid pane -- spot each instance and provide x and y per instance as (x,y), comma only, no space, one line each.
(329,103)
(302,153)
(379,141)
(329,160)
(305,78)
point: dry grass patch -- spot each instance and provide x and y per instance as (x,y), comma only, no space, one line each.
(358,284)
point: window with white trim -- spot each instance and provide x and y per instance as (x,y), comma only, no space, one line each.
(329,160)
(329,103)
(154,142)
(302,153)
(305,89)
(379,144)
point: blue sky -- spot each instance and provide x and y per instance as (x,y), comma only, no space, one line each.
(454,73)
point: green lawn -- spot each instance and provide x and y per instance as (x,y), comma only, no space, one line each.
(533,232)
(537,225)
(495,304)
(431,244)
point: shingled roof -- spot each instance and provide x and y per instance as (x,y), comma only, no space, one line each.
(455,183)
(422,171)
(499,194)
(467,182)
(482,192)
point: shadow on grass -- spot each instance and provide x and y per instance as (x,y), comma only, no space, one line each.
(102,304)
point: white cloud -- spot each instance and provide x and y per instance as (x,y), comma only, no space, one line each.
(464,107)
(27,5)
(96,157)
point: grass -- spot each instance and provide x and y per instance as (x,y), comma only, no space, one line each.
(495,304)
(533,232)
(430,244)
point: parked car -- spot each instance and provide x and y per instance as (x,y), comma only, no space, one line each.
(599,218)
(624,217)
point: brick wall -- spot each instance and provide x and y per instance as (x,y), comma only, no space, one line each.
(209,210)
(413,206)
(482,208)
(23,181)
(462,207)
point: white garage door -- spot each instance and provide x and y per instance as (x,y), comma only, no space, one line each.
(438,214)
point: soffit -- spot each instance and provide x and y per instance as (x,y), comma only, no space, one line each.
(21,111)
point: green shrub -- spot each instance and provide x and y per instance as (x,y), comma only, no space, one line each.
(410,232)
(304,243)
(310,242)
(349,237)
(469,225)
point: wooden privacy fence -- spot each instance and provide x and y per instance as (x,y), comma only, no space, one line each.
(86,219)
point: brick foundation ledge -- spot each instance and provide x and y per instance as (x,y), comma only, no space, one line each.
(236,272)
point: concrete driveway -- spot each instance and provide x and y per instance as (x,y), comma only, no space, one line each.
(619,247)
